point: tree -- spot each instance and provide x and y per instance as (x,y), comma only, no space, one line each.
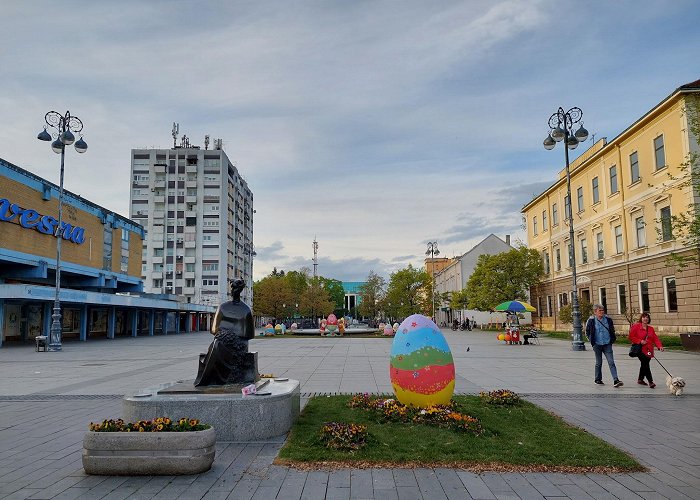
(505,276)
(272,297)
(459,299)
(585,308)
(408,293)
(685,226)
(336,293)
(315,301)
(298,282)
(372,292)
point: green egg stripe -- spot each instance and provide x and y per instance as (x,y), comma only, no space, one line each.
(420,358)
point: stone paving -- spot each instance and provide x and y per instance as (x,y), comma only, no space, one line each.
(47,400)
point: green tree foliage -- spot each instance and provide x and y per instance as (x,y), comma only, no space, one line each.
(272,296)
(336,293)
(408,293)
(505,276)
(298,281)
(585,308)
(685,226)
(371,295)
(459,299)
(315,301)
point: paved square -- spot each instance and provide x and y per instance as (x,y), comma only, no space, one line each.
(47,400)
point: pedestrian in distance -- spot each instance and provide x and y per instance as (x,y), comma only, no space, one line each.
(643,333)
(600,330)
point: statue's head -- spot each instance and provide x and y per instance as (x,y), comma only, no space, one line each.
(237,286)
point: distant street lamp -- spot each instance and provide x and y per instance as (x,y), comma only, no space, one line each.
(65,125)
(561,126)
(432,251)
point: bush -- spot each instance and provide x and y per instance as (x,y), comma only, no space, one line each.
(585,308)
(160,424)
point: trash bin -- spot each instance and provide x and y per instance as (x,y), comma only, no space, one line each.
(691,341)
(41,343)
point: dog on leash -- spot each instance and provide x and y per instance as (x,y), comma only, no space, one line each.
(675,385)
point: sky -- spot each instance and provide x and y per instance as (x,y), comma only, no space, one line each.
(372,126)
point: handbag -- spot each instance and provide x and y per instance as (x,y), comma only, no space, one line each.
(636,349)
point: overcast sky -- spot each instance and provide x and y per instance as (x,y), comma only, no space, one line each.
(374,126)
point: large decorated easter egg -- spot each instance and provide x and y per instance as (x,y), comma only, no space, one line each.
(422,371)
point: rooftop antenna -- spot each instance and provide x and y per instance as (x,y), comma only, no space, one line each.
(592,139)
(176,131)
(315,259)
(206,141)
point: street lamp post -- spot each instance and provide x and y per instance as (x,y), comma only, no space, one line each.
(65,125)
(432,251)
(561,126)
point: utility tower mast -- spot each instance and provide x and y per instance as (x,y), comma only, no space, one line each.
(315,259)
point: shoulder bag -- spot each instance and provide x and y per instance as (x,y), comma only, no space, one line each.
(636,349)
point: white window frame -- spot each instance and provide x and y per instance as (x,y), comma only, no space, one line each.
(639,295)
(666,306)
(619,302)
(619,250)
(663,149)
(640,232)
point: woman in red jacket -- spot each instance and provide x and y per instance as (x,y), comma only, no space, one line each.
(643,333)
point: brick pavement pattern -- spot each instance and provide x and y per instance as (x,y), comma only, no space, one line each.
(47,400)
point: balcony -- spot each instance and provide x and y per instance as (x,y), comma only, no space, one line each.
(157,243)
(157,260)
(190,259)
(191,183)
(191,168)
(159,168)
(188,290)
(190,213)
(159,184)
(156,274)
(159,199)
(189,275)
(159,214)
(190,199)
(190,244)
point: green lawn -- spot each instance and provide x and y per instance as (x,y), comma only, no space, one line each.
(671,342)
(522,437)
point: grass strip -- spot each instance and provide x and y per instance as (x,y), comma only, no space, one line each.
(521,437)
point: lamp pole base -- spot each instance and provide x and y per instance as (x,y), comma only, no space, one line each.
(54,347)
(578,346)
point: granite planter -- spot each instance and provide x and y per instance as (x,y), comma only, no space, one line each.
(148,453)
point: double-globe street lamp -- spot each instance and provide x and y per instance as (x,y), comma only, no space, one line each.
(65,125)
(433,251)
(561,126)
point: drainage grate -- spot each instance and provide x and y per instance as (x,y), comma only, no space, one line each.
(59,397)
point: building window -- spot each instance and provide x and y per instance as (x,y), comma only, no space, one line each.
(584,251)
(641,233)
(557,253)
(596,194)
(549,306)
(157,283)
(644,296)
(567,206)
(570,249)
(563,299)
(534,225)
(579,200)
(603,298)
(555,215)
(544,220)
(670,296)
(613,179)
(621,299)
(659,152)
(634,167)
(600,245)
(666,227)
(545,260)
(618,239)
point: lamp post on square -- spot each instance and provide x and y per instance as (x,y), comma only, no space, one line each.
(65,126)
(432,251)
(561,126)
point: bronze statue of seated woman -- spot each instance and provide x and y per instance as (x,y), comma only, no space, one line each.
(228,361)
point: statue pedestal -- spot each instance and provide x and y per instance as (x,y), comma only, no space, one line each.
(235,417)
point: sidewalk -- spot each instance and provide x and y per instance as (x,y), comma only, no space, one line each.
(47,400)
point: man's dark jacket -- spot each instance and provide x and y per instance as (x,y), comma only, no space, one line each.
(590,328)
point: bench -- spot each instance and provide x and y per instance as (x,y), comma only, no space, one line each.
(41,342)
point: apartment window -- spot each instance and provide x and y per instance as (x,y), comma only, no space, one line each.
(621,299)
(659,154)
(157,267)
(634,167)
(549,306)
(209,282)
(641,233)
(584,251)
(557,253)
(600,245)
(666,227)
(545,260)
(189,268)
(210,267)
(570,249)
(555,215)
(579,200)
(157,283)
(594,188)
(613,179)
(618,239)
(644,296)
(157,252)
(534,225)
(544,220)
(670,296)
(563,299)
(567,206)
(603,298)
(189,283)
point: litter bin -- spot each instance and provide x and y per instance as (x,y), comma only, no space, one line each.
(41,343)
(691,341)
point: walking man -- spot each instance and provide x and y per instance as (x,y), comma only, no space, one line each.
(601,332)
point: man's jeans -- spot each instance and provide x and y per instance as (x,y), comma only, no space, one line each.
(599,350)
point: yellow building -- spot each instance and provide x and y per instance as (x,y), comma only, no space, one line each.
(625,193)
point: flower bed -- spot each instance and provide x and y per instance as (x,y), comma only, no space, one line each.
(148,447)
(502,397)
(342,436)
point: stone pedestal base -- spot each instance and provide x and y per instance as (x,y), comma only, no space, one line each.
(234,417)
